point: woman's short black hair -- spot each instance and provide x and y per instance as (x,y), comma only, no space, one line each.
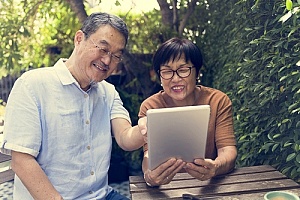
(173,49)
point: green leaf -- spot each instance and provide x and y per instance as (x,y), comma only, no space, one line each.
(243,137)
(274,147)
(285,17)
(266,147)
(294,172)
(276,136)
(285,170)
(285,121)
(287,144)
(296,110)
(289,4)
(298,124)
(283,78)
(298,158)
(290,157)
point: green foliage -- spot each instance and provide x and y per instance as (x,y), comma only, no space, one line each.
(12,31)
(256,62)
(144,29)
(132,103)
(31,31)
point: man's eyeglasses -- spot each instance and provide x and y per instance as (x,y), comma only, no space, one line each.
(104,52)
(182,72)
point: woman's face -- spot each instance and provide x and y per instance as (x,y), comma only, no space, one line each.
(179,89)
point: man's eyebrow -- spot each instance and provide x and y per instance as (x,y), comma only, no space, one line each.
(104,42)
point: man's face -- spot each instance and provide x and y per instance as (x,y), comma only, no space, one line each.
(98,56)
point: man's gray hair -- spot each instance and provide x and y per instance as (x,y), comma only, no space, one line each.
(98,19)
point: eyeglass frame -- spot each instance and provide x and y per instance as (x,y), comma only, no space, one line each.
(105,53)
(176,71)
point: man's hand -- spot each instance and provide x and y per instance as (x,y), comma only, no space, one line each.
(142,123)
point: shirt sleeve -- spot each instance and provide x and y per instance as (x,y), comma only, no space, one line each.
(118,110)
(22,130)
(224,124)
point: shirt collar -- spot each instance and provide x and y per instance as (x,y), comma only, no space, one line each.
(65,75)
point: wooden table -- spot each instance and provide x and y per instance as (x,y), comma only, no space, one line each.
(247,183)
(7,174)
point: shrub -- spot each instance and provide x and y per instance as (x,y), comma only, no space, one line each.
(256,62)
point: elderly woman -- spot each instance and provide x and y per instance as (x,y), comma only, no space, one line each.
(177,63)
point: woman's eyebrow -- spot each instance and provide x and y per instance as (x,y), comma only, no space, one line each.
(171,67)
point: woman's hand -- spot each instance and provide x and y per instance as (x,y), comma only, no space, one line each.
(164,173)
(202,169)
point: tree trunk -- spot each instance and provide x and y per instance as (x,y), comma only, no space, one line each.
(171,16)
(78,7)
(189,12)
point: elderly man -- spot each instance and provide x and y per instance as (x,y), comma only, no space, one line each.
(59,120)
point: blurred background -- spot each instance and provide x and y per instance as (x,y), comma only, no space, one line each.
(251,52)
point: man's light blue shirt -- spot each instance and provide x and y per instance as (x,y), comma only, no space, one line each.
(67,129)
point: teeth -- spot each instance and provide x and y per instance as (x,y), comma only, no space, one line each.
(177,88)
(99,67)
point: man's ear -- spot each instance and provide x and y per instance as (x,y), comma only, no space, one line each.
(79,36)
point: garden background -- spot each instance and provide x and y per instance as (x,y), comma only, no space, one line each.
(251,51)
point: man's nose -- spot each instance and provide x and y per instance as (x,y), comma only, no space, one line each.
(106,59)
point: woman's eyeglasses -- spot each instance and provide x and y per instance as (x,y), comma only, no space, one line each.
(182,72)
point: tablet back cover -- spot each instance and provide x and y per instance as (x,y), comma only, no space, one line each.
(179,132)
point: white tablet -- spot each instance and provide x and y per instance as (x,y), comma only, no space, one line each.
(179,132)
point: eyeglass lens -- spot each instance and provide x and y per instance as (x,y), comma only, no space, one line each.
(104,52)
(181,72)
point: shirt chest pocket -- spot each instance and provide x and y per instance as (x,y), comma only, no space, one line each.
(64,125)
(69,118)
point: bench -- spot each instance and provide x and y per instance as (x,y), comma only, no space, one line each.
(6,173)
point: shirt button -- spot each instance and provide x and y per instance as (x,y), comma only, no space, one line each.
(92,173)
(86,95)
(87,121)
(88,147)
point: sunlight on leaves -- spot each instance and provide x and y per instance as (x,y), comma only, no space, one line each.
(285,17)
(289,4)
